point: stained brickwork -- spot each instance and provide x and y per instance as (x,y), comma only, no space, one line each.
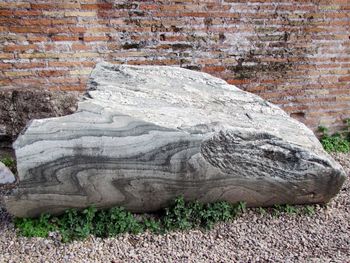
(293,53)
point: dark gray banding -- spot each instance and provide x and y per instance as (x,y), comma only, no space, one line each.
(145,135)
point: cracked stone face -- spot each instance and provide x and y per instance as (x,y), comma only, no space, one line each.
(144,135)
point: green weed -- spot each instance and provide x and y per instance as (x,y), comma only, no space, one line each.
(75,225)
(261,211)
(309,210)
(278,210)
(9,162)
(180,215)
(337,142)
(39,227)
(153,225)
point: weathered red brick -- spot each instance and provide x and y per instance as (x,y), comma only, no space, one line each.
(78,46)
(52,73)
(23,13)
(211,69)
(65,38)
(95,38)
(37,38)
(30,65)
(76,87)
(148,7)
(5,66)
(238,81)
(98,6)
(48,6)
(346,78)
(71,64)
(11,48)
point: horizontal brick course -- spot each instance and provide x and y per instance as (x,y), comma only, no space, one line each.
(293,53)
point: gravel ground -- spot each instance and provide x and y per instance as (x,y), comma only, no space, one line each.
(324,237)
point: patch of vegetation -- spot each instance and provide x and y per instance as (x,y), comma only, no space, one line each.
(309,210)
(9,162)
(337,142)
(181,215)
(39,227)
(278,210)
(75,225)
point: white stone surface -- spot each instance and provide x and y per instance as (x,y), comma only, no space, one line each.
(6,176)
(147,134)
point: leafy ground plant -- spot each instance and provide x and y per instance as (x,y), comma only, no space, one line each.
(337,142)
(9,162)
(278,210)
(75,225)
(39,227)
(180,215)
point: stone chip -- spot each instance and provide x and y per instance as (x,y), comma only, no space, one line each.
(6,176)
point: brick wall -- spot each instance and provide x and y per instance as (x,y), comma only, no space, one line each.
(293,53)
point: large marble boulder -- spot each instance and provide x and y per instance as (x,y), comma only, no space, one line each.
(144,135)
